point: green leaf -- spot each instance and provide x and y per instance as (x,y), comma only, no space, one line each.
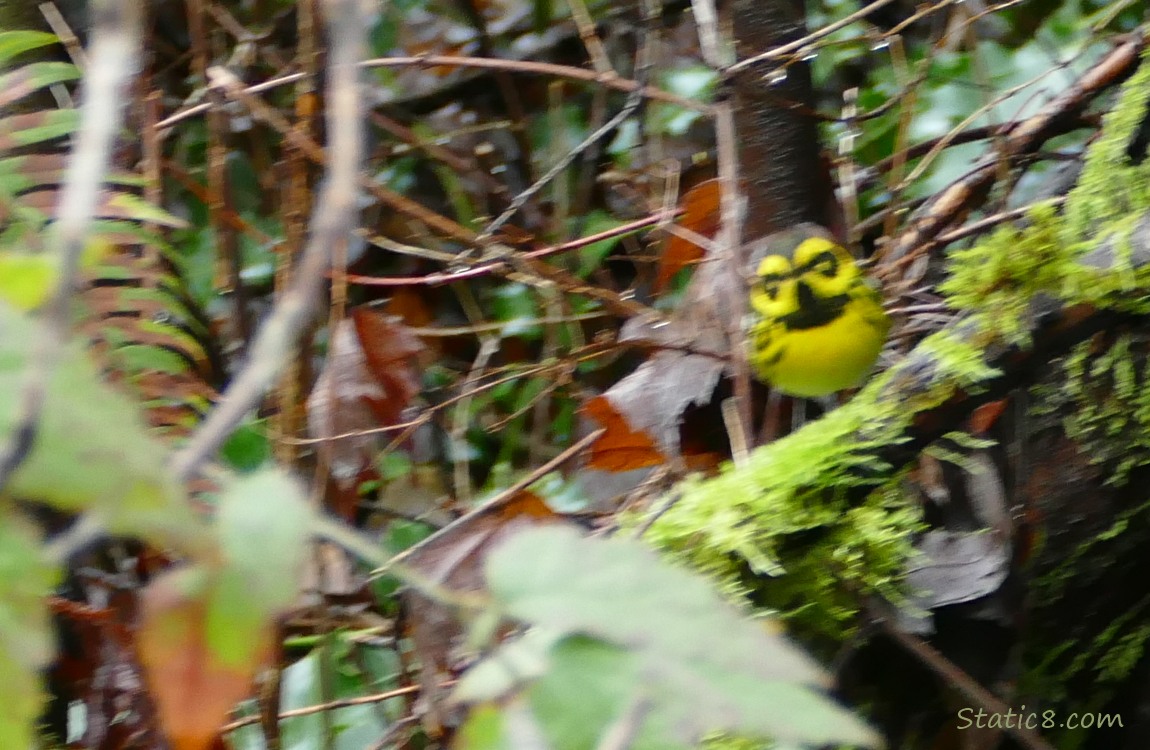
(37,127)
(248,448)
(516,662)
(26,279)
(591,256)
(484,730)
(27,79)
(18,173)
(14,43)
(149,358)
(641,637)
(618,590)
(263,524)
(306,684)
(589,685)
(27,640)
(692,82)
(92,450)
(134,207)
(515,305)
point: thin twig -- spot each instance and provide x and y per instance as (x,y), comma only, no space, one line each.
(436,279)
(498,501)
(359,700)
(783,50)
(956,678)
(462,471)
(730,234)
(591,41)
(61,29)
(629,108)
(921,233)
(530,67)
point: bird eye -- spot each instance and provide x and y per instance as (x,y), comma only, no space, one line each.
(827,267)
(770,283)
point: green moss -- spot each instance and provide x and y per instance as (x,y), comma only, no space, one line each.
(1110,188)
(1103,399)
(784,518)
(998,279)
(1103,662)
(957,358)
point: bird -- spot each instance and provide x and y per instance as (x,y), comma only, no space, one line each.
(817,324)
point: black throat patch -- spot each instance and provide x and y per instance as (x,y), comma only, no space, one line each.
(814,312)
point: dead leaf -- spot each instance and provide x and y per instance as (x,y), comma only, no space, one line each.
(411,307)
(701,215)
(338,405)
(986,416)
(621,448)
(390,351)
(369,379)
(192,690)
(695,352)
(954,567)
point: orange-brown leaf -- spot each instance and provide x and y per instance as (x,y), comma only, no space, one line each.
(986,416)
(701,215)
(620,448)
(411,307)
(370,377)
(526,504)
(193,692)
(389,349)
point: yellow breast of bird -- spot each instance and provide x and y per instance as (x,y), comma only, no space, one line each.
(818,361)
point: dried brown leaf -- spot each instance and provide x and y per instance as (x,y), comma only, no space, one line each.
(368,381)
(701,215)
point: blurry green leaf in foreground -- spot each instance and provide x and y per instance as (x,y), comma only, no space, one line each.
(27,640)
(633,639)
(206,629)
(263,525)
(26,279)
(92,451)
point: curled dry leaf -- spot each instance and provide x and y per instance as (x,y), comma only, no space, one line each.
(369,379)
(986,416)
